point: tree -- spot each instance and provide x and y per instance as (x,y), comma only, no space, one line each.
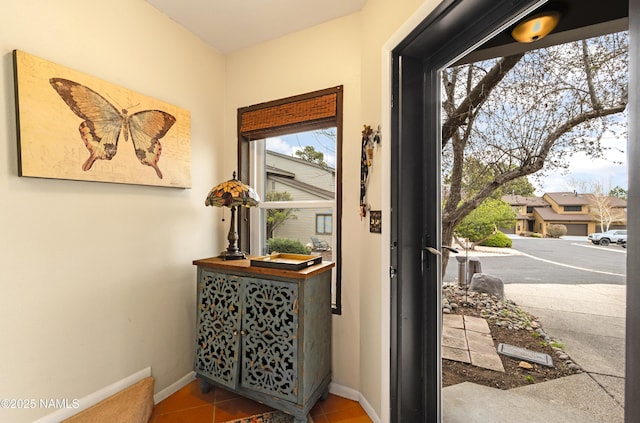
(310,154)
(527,113)
(619,192)
(276,217)
(476,175)
(605,208)
(483,222)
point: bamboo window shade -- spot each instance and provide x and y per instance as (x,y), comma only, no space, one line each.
(289,115)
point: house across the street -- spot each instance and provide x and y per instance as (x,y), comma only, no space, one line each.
(582,214)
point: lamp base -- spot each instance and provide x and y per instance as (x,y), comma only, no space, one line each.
(235,255)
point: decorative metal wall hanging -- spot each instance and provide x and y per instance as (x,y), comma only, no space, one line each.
(71,126)
(370,138)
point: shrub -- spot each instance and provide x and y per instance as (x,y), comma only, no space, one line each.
(286,245)
(556,231)
(499,239)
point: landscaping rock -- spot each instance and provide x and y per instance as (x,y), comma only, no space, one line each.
(491,285)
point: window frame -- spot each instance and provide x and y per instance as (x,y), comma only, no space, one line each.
(571,208)
(279,118)
(324,216)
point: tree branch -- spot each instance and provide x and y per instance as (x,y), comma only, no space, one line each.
(479,93)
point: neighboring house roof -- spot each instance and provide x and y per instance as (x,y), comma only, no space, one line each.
(306,162)
(521,200)
(328,195)
(569,198)
(280,172)
(547,213)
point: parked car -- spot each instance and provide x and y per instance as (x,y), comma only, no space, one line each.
(606,238)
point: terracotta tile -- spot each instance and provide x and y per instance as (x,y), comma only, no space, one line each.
(189,396)
(189,405)
(237,408)
(224,395)
(321,418)
(335,403)
(193,415)
(350,415)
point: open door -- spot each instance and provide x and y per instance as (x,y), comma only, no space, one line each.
(453,29)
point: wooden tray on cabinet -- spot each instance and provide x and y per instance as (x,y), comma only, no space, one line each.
(286,261)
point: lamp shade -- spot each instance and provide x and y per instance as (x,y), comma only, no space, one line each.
(536,27)
(232,193)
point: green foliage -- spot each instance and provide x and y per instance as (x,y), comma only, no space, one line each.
(276,217)
(556,231)
(499,239)
(310,154)
(557,345)
(619,192)
(482,221)
(529,378)
(286,245)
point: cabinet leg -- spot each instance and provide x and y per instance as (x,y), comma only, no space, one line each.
(204,386)
(324,394)
(297,419)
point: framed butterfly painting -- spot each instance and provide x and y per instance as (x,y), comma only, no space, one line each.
(74,126)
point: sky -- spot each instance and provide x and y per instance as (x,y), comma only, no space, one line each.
(607,171)
(288,144)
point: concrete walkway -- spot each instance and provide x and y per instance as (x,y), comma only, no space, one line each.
(590,321)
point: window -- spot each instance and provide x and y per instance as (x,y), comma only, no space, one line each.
(572,208)
(529,209)
(324,224)
(290,152)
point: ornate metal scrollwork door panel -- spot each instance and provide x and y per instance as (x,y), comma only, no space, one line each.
(270,338)
(218,328)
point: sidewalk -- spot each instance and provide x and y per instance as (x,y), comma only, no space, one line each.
(590,321)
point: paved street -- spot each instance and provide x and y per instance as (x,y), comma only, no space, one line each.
(555,261)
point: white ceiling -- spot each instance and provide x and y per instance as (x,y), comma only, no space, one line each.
(230,25)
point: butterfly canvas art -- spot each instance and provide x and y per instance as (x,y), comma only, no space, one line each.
(63,114)
(103,124)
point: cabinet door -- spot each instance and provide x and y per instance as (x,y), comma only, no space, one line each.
(218,339)
(270,338)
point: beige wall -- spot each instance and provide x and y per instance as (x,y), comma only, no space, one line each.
(96,280)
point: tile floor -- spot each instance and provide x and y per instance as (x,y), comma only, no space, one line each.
(189,405)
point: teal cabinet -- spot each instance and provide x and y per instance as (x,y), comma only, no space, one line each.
(265,333)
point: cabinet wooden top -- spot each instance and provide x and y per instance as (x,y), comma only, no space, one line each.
(245,266)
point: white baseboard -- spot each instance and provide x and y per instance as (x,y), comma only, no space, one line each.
(174,387)
(96,397)
(344,392)
(352,394)
(369,410)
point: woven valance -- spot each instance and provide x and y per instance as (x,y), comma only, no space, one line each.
(298,113)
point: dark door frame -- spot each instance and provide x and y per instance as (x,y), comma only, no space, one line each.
(449,31)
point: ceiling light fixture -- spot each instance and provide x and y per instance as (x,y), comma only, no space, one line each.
(536,27)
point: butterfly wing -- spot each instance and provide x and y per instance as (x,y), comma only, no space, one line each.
(147,127)
(102,121)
